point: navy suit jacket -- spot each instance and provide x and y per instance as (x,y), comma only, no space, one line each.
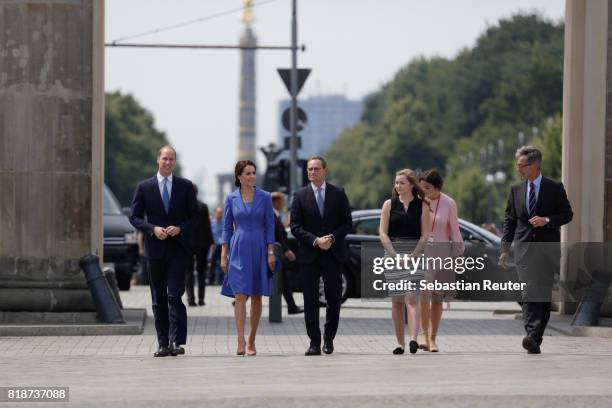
(551,202)
(307,224)
(148,212)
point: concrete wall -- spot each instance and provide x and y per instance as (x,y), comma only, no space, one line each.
(51,133)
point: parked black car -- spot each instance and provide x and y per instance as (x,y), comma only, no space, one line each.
(120,245)
(478,242)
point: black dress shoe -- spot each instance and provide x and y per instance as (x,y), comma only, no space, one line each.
(328,347)
(201,302)
(162,351)
(191,303)
(530,345)
(313,351)
(295,310)
(413,346)
(176,349)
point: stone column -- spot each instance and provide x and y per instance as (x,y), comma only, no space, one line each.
(587,126)
(246,119)
(51,151)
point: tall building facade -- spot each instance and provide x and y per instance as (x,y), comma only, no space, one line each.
(328,116)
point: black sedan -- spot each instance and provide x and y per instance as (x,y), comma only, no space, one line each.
(120,245)
(478,243)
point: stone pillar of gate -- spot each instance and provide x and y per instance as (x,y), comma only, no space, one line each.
(587,128)
(51,151)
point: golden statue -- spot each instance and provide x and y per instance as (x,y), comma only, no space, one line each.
(248,16)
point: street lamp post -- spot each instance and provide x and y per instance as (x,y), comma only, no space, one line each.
(294,92)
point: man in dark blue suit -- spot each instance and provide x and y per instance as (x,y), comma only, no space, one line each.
(536,210)
(320,220)
(164,208)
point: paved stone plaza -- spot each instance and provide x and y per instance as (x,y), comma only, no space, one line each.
(481,363)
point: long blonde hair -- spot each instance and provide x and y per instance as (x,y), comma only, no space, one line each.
(417,191)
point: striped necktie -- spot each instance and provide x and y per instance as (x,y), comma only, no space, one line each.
(532,198)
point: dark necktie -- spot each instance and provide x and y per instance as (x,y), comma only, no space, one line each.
(320,202)
(166,196)
(532,198)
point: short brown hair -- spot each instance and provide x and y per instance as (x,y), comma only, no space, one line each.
(322,160)
(240,166)
(432,177)
(277,195)
(166,147)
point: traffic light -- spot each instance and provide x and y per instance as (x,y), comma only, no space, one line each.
(276,177)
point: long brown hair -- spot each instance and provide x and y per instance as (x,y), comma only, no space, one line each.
(417,191)
(240,166)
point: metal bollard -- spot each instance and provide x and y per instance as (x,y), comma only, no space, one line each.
(275,305)
(106,305)
(109,274)
(587,314)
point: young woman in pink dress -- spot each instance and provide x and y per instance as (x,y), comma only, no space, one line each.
(447,242)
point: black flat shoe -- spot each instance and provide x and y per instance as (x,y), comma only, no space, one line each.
(176,349)
(313,351)
(162,351)
(413,346)
(398,350)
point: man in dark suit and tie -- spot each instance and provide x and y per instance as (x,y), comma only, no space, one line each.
(280,236)
(536,210)
(200,239)
(164,208)
(320,220)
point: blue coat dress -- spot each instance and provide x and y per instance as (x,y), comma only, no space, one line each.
(248,229)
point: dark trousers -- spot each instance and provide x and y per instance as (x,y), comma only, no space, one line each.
(325,266)
(143,273)
(535,317)
(287,289)
(167,283)
(216,277)
(200,265)
(536,268)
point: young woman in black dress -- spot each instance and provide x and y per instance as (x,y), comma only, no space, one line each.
(404,224)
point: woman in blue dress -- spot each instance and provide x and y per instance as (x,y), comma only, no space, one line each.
(247,250)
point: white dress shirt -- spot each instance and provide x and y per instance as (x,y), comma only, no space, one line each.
(160,184)
(315,188)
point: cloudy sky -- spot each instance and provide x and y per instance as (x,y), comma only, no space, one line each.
(353,47)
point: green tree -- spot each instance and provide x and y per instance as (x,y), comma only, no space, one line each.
(462,115)
(475,197)
(131,145)
(549,142)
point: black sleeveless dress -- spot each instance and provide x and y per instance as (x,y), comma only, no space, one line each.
(404,232)
(405,225)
